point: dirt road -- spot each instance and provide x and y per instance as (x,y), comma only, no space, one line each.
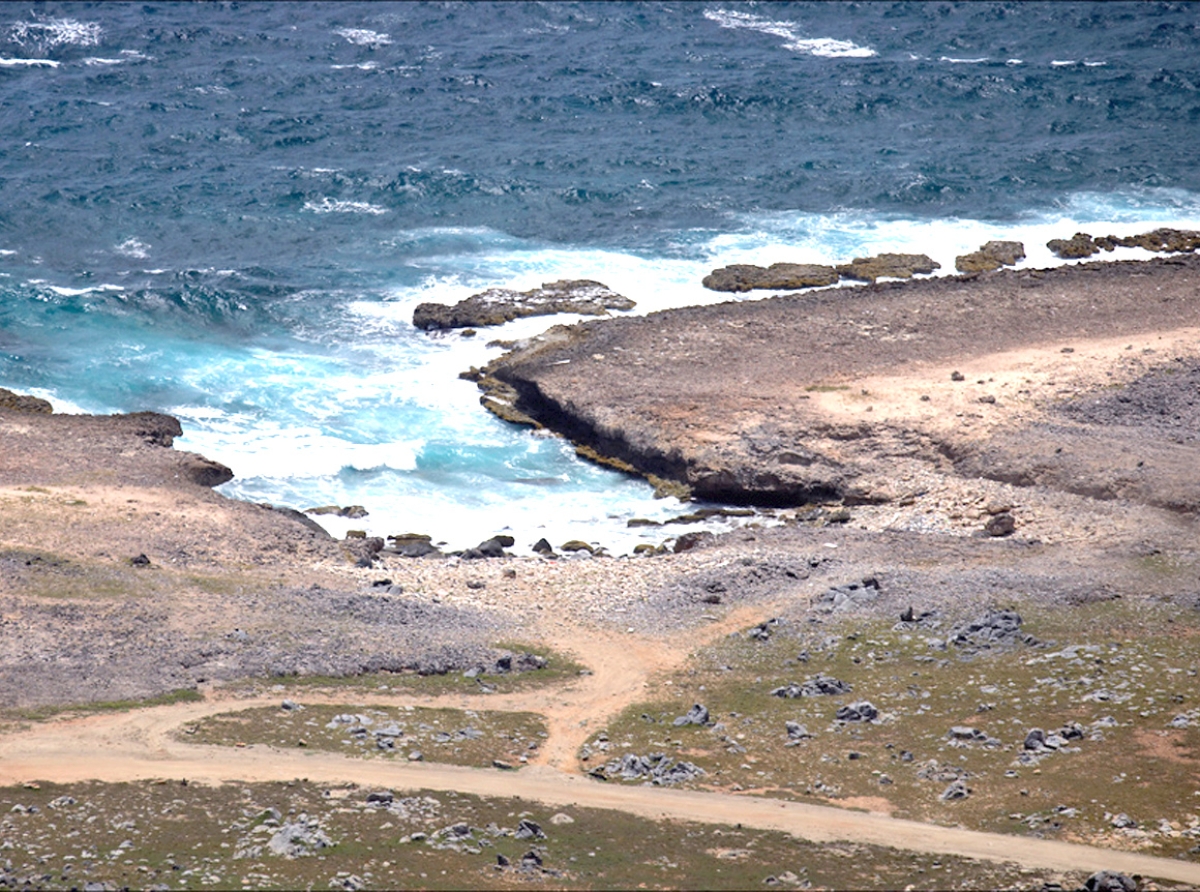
(140,745)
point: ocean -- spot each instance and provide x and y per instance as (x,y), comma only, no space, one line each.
(228,211)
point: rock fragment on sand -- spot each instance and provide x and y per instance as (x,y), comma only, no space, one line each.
(1002,524)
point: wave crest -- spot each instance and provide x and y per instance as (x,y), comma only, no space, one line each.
(47,34)
(827,47)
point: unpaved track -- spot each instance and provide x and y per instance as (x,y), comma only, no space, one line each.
(141,745)
(171,759)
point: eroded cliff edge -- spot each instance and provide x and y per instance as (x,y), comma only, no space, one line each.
(853,394)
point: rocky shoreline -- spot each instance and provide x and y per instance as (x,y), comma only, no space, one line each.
(735,401)
(1041,408)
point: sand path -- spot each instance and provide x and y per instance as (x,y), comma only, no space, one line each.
(141,745)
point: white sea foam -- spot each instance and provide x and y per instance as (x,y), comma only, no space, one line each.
(1062,63)
(333,206)
(27,63)
(48,33)
(364,37)
(361,66)
(791,34)
(955,61)
(97,60)
(77,292)
(132,247)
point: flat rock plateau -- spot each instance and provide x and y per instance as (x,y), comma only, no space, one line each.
(923,452)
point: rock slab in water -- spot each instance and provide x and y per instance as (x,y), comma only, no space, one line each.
(993,255)
(499,305)
(1172,241)
(742,277)
(891,266)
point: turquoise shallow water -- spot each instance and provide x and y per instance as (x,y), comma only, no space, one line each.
(229,212)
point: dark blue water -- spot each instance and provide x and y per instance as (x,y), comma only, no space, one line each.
(228,211)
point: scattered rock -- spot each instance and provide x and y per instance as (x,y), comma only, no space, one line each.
(996,627)
(956,790)
(140,561)
(796,731)
(576,545)
(290,706)
(819,685)
(527,829)
(742,277)
(1109,881)
(862,711)
(412,545)
(499,305)
(489,548)
(696,539)
(1001,524)
(761,632)
(850,595)
(1123,822)
(697,715)
(299,838)
(381,797)
(657,768)
(543,548)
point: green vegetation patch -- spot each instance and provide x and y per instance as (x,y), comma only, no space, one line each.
(1111,687)
(41,713)
(558,668)
(298,835)
(455,736)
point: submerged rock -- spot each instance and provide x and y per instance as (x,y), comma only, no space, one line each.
(499,305)
(778,276)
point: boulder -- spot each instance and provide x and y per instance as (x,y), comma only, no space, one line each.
(688,541)
(892,266)
(697,715)
(1001,524)
(412,545)
(862,711)
(205,472)
(18,402)
(742,277)
(1109,881)
(499,305)
(796,731)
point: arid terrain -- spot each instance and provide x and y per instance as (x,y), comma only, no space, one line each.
(976,503)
